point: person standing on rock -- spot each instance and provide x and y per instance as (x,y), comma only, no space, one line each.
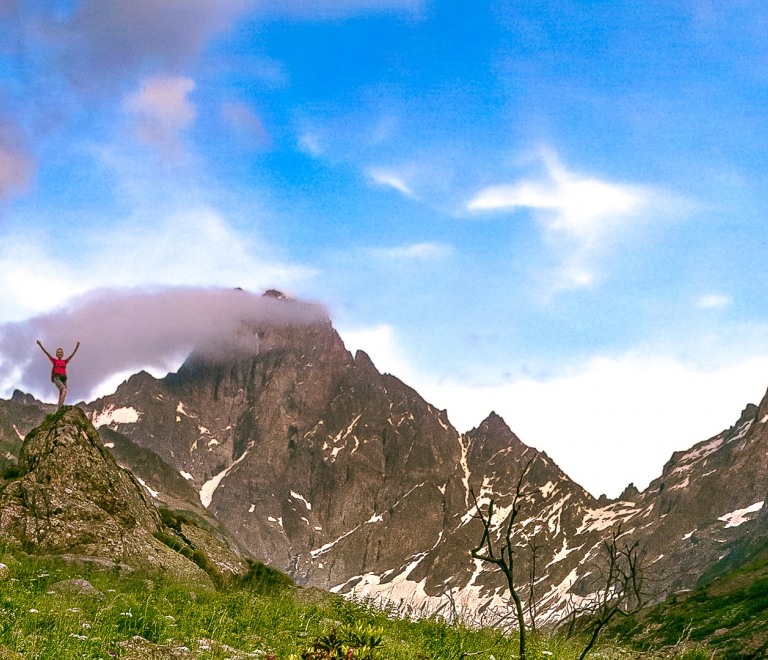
(59,370)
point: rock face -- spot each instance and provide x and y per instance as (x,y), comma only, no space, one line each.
(72,497)
(348,480)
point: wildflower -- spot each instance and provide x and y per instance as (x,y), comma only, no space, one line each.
(80,637)
(33,611)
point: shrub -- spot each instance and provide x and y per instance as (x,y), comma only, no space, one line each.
(12,471)
(694,654)
(264,579)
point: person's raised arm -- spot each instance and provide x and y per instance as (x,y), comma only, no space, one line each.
(39,343)
(73,352)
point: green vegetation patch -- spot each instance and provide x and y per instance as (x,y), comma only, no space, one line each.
(261,614)
(729,616)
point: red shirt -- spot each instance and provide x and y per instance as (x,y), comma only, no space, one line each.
(59,366)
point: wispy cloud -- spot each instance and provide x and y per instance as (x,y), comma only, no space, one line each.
(713,300)
(390,179)
(423,251)
(310,144)
(161,110)
(242,119)
(17,165)
(577,214)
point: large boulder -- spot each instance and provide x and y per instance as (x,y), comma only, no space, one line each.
(72,497)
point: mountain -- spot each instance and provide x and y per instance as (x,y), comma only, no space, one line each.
(347,479)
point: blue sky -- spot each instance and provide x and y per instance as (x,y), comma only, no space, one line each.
(551,209)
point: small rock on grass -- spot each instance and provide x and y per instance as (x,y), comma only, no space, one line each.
(5,573)
(138,648)
(77,587)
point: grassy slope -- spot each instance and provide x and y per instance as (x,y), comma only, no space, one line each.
(729,617)
(40,624)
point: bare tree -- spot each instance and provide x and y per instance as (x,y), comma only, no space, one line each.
(533,549)
(620,589)
(503,557)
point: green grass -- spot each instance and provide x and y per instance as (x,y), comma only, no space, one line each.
(261,612)
(729,616)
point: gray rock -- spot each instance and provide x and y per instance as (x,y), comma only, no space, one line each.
(76,587)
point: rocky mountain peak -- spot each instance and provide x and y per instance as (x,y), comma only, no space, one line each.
(24,399)
(274,293)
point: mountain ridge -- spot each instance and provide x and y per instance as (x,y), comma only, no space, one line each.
(349,480)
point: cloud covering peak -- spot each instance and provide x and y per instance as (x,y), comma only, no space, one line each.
(122,331)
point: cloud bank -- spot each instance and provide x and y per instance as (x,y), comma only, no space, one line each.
(123,331)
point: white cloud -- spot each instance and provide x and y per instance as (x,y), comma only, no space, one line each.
(580,206)
(425,251)
(162,110)
(390,179)
(713,300)
(192,248)
(608,423)
(578,214)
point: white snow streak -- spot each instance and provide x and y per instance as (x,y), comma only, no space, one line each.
(740,516)
(301,497)
(210,486)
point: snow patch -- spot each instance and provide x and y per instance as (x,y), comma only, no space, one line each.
(547,488)
(709,448)
(181,411)
(109,445)
(740,516)
(154,493)
(682,484)
(210,486)
(110,416)
(19,433)
(563,553)
(596,520)
(688,535)
(465,467)
(186,475)
(301,497)
(252,509)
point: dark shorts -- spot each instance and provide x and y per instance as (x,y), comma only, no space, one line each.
(60,381)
